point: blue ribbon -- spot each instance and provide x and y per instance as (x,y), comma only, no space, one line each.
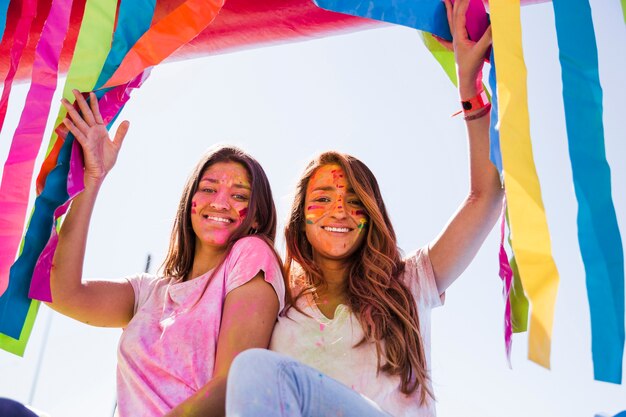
(495,155)
(598,234)
(427,15)
(134,20)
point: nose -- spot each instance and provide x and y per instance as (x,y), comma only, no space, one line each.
(339,211)
(220,201)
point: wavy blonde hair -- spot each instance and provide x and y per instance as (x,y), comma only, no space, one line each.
(375,292)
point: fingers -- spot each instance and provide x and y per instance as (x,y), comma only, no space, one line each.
(77,121)
(484,42)
(120,133)
(84,108)
(459,20)
(95,108)
(78,134)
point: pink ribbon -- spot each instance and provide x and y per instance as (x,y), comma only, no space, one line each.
(20,39)
(506,274)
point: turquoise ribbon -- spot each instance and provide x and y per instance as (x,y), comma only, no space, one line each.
(427,15)
(598,234)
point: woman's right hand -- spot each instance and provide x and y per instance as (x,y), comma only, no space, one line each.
(100,152)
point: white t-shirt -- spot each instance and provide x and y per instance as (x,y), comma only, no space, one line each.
(328,345)
(167,351)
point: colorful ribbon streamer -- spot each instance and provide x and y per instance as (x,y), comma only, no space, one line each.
(18,168)
(134,20)
(427,15)
(68,187)
(93,45)
(166,36)
(506,274)
(531,243)
(92,48)
(598,233)
(20,38)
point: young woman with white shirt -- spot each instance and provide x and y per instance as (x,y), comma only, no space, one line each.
(355,338)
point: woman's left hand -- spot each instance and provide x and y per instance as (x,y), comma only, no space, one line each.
(469,55)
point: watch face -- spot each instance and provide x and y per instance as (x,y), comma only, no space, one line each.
(467,105)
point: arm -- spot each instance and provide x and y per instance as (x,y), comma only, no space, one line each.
(100,303)
(455,247)
(247,321)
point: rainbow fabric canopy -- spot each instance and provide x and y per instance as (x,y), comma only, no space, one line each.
(109,46)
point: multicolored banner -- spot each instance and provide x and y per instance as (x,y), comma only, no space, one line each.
(598,233)
(531,238)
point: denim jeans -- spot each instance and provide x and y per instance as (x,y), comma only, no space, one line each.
(262,383)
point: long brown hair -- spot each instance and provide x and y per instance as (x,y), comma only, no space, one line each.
(382,303)
(261,211)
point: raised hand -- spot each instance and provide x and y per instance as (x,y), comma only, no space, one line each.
(100,152)
(469,55)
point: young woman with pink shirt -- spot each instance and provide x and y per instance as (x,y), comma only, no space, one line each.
(355,338)
(221,288)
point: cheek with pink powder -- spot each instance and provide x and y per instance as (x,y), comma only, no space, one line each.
(193,207)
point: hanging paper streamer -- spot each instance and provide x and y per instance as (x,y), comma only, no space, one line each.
(68,187)
(426,15)
(92,48)
(133,20)
(531,238)
(18,168)
(598,233)
(165,37)
(18,346)
(519,302)
(93,45)
(444,56)
(4,7)
(506,274)
(20,38)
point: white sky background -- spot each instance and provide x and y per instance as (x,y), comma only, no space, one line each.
(379,95)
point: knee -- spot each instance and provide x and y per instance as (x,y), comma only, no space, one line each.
(252,363)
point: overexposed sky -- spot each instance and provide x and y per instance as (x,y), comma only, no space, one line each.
(380,96)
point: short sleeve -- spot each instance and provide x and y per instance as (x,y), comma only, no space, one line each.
(420,279)
(143,285)
(248,256)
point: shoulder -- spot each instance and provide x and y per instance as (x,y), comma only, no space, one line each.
(251,243)
(419,277)
(144,285)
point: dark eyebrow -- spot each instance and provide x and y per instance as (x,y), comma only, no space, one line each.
(331,188)
(216,181)
(327,188)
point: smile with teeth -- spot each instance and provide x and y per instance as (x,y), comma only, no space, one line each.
(336,229)
(218,219)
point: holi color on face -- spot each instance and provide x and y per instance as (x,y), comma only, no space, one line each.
(220,203)
(333,212)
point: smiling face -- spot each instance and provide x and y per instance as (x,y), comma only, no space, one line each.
(220,204)
(335,218)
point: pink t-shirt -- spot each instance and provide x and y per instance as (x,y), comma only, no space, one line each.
(328,345)
(167,351)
